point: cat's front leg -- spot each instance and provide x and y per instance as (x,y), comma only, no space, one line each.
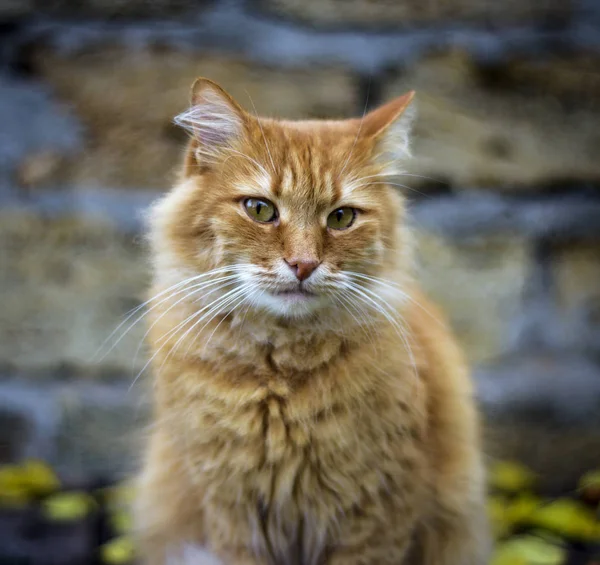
(368,538)
(452,538)
(168,517)
(236,557)
(231,536)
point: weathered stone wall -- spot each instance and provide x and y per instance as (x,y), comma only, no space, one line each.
(504,195)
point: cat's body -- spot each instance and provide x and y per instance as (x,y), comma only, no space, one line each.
(308,426)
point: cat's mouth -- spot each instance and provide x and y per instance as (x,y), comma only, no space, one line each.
(298,293)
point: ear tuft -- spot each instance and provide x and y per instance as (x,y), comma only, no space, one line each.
(214,119)
(399,132)
(391,127)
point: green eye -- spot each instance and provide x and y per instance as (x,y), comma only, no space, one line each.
(341,218)
(261,211)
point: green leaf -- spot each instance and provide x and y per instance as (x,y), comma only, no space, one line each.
(117,551)
(529,550)
(67,506)
(510,476)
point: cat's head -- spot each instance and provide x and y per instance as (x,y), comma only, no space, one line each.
(293,217)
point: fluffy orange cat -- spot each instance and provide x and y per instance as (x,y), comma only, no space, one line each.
(310,406)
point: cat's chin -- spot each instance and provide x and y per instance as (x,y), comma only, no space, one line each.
(295,304)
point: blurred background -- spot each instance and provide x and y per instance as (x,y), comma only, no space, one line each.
(506,205)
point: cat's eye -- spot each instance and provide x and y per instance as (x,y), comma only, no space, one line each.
(341,218)
(260,210)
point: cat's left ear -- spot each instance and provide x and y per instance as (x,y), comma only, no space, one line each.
(215,120)
(390,126)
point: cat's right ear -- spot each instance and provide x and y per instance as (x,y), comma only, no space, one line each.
(215,120)
(390,127)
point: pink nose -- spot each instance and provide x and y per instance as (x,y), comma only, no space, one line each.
(302,269)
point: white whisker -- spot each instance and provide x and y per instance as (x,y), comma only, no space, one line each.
(361,321)
(146,303)
(354,187)
(401,186)
(215,307)
(393,174)
(239,301)
(397,288)
(135,310)
(178,326)
(254,161)
(251,303)
(357,133)
(165,337)
(262,132)
(198,290)
(383,307)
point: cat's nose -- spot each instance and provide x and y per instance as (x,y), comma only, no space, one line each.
(302,269)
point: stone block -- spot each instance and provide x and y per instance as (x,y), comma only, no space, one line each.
(36,131)
(519,124)
(10,9)
(127,99)
(100,431)
(543,409)
(390,13)
(576,270)
(66,283)
(15,432)
(28,419)
(479,283)
(103,9)
(558,455)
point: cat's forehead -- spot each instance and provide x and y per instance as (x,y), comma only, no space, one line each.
(301,183)
(316,181)
(310,164)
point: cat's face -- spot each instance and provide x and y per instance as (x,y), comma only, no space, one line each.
(293,216)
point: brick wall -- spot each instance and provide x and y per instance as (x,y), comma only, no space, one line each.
(505,196)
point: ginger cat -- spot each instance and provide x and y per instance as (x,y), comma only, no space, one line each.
(310,406)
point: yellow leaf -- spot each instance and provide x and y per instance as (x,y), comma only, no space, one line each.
(506,558)
(522,507)
(510,476)
(121,521)
(497,510)
(13,492)
(550,537)
(569,518)
(529,550)
(67,506)
(11,476)
(39,477)
(14,498)
(119,496)
(504,514)
(117,551)
(591,479)
(29,480)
